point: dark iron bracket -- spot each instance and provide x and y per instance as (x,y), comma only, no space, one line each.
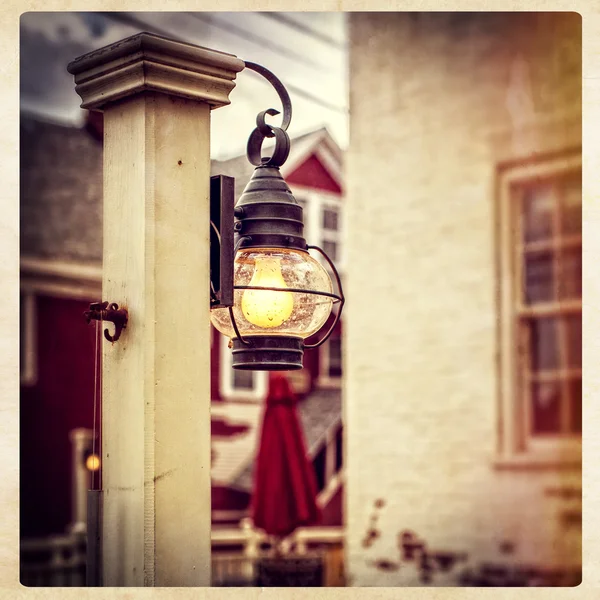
(101,311)
(222,201)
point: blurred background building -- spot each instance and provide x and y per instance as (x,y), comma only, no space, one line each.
(462,385)
(454,216)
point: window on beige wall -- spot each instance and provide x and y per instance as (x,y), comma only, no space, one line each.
(540,299)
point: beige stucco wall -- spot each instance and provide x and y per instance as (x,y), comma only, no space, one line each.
(437,103)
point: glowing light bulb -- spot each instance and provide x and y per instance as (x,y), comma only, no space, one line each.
(266,308)
(92,462)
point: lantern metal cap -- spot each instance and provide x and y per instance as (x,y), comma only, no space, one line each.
(268,214)
(266,185)
(268,353)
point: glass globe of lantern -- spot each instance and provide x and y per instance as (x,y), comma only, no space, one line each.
(276,312)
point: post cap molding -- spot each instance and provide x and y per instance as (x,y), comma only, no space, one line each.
(148,62)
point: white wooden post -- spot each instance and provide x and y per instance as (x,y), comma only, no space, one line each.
(156,95)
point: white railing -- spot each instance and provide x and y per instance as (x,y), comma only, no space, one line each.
(246,546)
(249,538)
(57,561)
(60,560)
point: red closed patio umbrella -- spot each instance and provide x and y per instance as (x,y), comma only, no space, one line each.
(285,488)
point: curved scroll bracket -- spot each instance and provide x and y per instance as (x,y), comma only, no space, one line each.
(281,92)
(264,130)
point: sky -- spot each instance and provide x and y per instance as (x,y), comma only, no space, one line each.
(306,51)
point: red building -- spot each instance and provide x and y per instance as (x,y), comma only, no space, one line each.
(61,269)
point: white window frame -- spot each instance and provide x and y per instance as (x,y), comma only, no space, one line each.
(515,447)
(325,379)
(228,391)
(304,199)
(332,479)
(332,235)
(311,211)
(314,232)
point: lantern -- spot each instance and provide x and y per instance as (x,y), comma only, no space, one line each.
(281,294)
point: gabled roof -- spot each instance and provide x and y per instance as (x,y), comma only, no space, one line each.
(318,143)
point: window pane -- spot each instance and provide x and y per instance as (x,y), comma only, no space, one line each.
(569,284)
(538,204)
(243,380)
(575,392)
(335,357)
(330,219)
(319,466)
(544,344)
(571,207)
(539,283)
(330,249)
(573,324)
(339,450)
(546,407)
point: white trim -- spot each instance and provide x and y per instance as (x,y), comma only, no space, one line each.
(320,441)
(57,268)
(29,350)
(315,219)
(330,489)
(305,195)
(315,233)
(60,279)
(228,392)
(228,515)
(299,189)
(333,235)
(330,535)
(224,536)
(327,159)
(320,148)
(517,448)
(324,379)
(60,290)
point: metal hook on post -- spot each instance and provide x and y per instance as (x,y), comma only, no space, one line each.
(101,311)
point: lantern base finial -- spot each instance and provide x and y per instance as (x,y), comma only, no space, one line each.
(268,353)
